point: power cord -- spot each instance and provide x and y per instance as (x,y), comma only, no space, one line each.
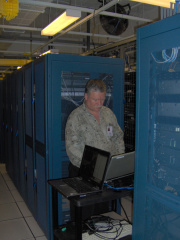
(125,212)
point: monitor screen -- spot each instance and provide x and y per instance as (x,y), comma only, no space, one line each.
(94,164)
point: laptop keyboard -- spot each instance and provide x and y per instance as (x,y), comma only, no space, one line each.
(79,186)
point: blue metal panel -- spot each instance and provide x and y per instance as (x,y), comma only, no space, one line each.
(10,166)
(15,162)
(3,121)
(40,145)
(1,124)
(41,210)
(29,135)
(39,115)
(6,121)
(21,134)
(28,101)
(157,182)
(30,198)
(79,68)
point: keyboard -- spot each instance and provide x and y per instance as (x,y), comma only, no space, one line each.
(77,184)
(126,231)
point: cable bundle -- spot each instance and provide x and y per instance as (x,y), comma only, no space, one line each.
(167,59)
(102,226)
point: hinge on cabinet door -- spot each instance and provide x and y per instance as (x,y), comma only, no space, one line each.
(35,179)
(33,100)
(25,163)
(25,168)
(35,173)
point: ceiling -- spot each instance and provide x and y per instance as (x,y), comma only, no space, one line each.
(20,38)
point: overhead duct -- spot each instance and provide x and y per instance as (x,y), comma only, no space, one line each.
(9,9)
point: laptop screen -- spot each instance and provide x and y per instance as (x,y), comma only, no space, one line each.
(94,165)
(120,166)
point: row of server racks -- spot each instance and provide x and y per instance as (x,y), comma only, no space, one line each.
(35,104)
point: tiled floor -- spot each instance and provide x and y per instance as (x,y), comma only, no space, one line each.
(16,221)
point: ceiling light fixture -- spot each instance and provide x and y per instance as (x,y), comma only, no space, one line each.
(160,3)
(52,51)
(61,22)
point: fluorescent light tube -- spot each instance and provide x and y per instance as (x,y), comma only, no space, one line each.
(61,22)
(160,3)
(54,51)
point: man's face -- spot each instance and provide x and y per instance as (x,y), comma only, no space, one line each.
(94,100)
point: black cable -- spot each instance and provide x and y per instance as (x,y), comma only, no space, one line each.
(125,213)
(112,227)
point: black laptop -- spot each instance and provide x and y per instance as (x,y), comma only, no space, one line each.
(91,174)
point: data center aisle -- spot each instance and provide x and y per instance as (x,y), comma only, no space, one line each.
(16,221)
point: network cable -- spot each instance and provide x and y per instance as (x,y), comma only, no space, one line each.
(121,188)
(166,58)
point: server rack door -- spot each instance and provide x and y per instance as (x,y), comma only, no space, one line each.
(14,132)
(1,124)
(157,181)
(6,114)
(21,133)
(40,145)
(41,195)
(9,155)
(29,136)
(67,77)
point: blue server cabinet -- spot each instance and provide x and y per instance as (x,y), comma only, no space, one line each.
(47,90)
(157,161)
(29,136)
(5,122)
(64,79)
(41,137)
(1,123)
(8,127)
(14,119)
(20,134)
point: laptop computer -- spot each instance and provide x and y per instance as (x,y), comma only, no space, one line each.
(91,174)
(120,167)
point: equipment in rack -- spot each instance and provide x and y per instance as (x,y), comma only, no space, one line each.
(129,110)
